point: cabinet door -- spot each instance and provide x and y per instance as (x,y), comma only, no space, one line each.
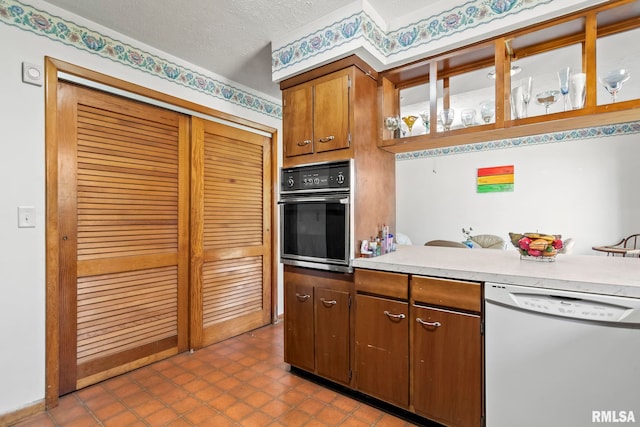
(382,349)
(331,114)
(298,320)
(447,366)
(297,119)
(332,334)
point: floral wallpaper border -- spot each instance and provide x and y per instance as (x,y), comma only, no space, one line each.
(360,26)
(548,138)
(55,28)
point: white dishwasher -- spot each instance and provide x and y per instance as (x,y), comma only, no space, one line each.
(558,358)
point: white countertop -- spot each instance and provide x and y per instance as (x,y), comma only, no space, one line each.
(582,273)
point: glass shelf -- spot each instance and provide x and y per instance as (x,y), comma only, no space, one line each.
(461,80)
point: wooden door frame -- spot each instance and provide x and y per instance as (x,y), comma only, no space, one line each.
(52,235)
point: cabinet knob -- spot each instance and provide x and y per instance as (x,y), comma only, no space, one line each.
(303,143)
(327,138)
(325,302)
(394,316)
(302,297)
(425,323)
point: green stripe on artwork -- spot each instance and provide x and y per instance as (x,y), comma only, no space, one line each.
(495,188)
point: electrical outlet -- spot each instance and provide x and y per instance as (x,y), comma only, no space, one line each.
(26,217)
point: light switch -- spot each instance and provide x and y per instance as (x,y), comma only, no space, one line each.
(26,216)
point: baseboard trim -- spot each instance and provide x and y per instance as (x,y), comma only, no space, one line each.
(15,416)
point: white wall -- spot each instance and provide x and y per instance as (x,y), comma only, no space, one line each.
(22,166)
(585,189)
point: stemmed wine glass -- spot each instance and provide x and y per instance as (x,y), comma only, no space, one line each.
(425,119)
(563,77)
(527,86)
(487,110)
(409,121)
(547,99)
(446,116)
(613,81)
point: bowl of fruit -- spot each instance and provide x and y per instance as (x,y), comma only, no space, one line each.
(537,246)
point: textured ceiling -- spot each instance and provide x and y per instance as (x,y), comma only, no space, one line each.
(230,38)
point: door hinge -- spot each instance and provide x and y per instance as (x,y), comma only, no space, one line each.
(349,137)
(482,327)
(349,82)
(349,302)
(350,374)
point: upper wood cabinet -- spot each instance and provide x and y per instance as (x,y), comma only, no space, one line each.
(317,115)
(498,88)
(329,113)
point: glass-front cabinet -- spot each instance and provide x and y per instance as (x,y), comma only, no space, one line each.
(575,71)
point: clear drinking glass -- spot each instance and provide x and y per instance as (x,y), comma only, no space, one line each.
(517,103)
(392,123)
(577,90)
(468,117)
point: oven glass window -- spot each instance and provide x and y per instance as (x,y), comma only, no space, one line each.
(315,230)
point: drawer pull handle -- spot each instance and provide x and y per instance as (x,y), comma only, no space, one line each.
(394,316)
(303,143)
(327,138)
(425,323)
(302,297)
(325,302)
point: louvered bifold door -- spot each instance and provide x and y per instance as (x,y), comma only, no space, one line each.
(123,207)
(230,231)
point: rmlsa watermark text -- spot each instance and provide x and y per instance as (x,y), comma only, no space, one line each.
(613,417)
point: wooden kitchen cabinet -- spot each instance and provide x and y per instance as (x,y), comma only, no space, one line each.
(318,331)
(446,350)
(299,325)
(339,99)
(332,333)
(329,114)
(382,336)
(317,115)
(414,342)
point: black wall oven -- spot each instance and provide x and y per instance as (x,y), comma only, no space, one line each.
(316,219)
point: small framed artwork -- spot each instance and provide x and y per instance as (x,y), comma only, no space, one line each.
(496,179)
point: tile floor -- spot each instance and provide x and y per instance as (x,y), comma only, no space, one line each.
(239,382)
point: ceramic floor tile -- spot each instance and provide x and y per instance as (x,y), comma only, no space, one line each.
(241,382)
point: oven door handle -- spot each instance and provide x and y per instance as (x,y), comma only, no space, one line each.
(341,200)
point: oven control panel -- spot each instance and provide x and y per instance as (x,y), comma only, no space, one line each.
(324,176)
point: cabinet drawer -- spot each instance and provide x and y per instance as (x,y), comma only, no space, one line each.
(394,285)
(447,293)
